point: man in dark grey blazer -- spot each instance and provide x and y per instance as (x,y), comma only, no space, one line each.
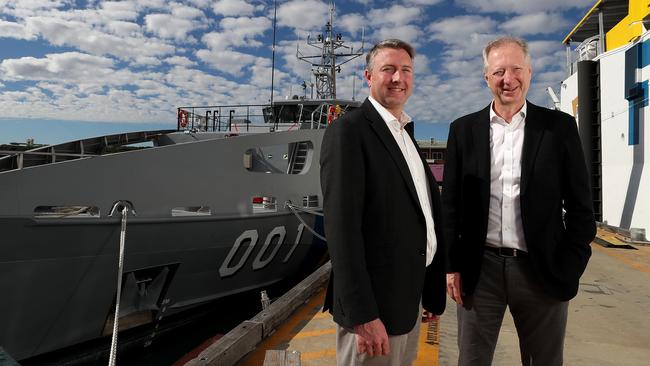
(518,215)
(382,220)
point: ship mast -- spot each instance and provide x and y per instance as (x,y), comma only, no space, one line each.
(325,66)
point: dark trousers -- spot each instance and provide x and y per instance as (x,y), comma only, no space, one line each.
(540,319)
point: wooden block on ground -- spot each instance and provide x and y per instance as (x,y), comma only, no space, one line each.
(230,348)
(275,357)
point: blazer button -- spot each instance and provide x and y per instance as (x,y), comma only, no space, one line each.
(423,252)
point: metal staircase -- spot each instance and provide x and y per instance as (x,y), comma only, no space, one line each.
(298,157)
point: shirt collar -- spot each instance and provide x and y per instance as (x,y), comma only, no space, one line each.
(388,117)
(522,112)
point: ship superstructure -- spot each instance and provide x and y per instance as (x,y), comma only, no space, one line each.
(606,89)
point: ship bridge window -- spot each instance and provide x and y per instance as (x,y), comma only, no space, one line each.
(62,212)
(191,211)
(291,158)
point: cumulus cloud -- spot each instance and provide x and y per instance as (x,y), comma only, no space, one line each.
(409,33)
(535,23)
(396,14)
(521,6)
(229,62)
(14,30)
(455,30)
(67,66)
(423,2)
(60,32)
(303,15)
(234,7)
(176,25)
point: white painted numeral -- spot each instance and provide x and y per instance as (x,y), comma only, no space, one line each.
(278,231)
(226,270)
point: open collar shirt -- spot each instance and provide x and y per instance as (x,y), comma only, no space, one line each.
(505,228)
(416,168)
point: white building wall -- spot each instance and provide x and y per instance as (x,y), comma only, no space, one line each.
(623,192)
(569,94)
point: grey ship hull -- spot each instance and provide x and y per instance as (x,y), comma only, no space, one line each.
(58,274)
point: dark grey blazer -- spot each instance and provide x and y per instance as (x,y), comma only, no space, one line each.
(554,177)
(376,233)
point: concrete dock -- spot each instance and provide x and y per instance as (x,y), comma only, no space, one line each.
(609,321)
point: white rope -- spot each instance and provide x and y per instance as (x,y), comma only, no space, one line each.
(295,210)
(120,268)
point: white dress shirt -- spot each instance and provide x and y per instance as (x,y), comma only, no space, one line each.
(505,228)
(416,168)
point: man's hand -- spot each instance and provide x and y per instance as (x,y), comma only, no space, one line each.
(455,287)
(372,338)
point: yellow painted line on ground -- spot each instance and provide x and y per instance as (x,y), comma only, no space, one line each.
(321,315)
(427,352)
(285,332)
(612,252)
(314,333)
(317,355)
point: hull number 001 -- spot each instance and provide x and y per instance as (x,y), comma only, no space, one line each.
(228,269)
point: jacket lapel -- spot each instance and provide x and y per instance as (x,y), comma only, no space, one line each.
(387,139)
(533,133)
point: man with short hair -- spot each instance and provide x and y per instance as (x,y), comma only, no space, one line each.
(382,210)
(518,215)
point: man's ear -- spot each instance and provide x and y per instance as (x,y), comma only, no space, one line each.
(367,75)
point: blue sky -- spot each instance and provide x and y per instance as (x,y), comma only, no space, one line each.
(71,69)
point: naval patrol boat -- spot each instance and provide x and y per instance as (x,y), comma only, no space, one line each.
(150,224)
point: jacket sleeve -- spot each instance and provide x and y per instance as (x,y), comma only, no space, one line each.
(451,200)
(580,226)
(343,180)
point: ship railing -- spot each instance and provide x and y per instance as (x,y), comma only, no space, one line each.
(19,158)
(253,118)
(587,50)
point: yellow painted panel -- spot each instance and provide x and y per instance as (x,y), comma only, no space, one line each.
(628,29)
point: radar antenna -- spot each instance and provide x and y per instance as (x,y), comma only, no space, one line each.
(325,66)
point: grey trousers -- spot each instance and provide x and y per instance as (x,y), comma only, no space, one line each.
(403,349)
(540,319)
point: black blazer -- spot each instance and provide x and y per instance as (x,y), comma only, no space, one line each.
(554,178)
(376,233)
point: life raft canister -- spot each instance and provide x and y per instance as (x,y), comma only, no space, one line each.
(182,118)
(333,112)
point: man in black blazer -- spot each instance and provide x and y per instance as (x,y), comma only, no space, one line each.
(518,215)
(380,202)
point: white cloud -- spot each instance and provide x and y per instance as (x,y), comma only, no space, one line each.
(180,61)
(170,26)
(396,14)
(119,10)
(67,67)
(423,2)
(521,6)
(535,23)
(230,62)
(14,30)
(238,32)
(303,15)
(234,8)
(60,32)
(352,23)
(455,30)
(123,29)
(408,33)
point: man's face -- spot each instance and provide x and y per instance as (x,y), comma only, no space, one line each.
(508,75)
(391,78)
